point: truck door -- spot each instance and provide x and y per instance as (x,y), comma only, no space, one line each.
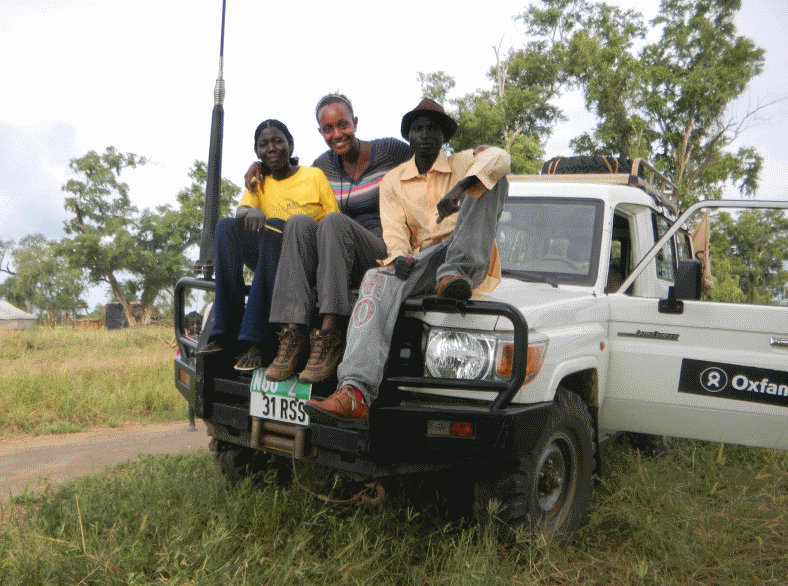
(716,371)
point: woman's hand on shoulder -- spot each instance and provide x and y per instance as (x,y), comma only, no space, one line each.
(253,176)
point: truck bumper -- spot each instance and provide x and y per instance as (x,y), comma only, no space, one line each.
(411,437)
(408,437)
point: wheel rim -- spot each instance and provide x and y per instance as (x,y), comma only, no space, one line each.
(556,480)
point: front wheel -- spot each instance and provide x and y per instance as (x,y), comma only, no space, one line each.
(549,489)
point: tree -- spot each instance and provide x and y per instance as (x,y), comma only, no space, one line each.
(41,278)
(601,60)
(669,101)
(519,111)
(436,85)
(747,255)
(8,286)
(103,215)
(164,237)
(5,252)
(726,285)
(137,253)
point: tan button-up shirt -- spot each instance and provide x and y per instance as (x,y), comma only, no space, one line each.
(408,202)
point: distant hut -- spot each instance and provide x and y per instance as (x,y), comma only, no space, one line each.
(115,316)
(13,318)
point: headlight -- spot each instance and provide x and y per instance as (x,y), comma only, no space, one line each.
(481,356)
(453,354)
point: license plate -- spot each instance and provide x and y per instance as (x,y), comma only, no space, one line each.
(279,401)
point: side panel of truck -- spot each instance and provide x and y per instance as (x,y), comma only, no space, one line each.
(716,372)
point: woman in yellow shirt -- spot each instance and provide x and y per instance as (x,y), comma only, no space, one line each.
(253,238)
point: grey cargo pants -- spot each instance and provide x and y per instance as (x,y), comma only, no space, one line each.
(466,252)
(331,256)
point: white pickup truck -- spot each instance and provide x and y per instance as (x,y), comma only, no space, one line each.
(596,327)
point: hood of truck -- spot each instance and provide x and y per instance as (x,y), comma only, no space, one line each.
(542,305)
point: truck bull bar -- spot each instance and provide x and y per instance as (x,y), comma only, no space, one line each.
(506,390)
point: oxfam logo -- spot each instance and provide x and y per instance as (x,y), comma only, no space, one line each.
(714,379)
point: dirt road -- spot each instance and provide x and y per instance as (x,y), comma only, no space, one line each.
(33,462)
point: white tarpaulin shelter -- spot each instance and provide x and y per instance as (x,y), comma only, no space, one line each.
(13,318)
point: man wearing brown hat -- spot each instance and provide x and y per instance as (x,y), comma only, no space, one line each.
(430,249)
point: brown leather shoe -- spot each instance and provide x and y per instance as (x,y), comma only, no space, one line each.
(293,346)
(342,406)
(455,287)
(327,348)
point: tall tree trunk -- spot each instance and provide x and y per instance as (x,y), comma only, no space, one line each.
(117,291)
(147,315)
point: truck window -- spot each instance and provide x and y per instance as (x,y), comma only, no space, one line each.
(621,261)
(748,263)
(666,258)
(749,257)
(683,245)
(552,239)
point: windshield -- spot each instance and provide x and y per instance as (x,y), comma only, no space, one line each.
(551,240)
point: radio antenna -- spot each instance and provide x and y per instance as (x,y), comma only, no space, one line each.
(213,184)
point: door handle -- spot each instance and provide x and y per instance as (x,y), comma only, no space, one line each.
(779,342)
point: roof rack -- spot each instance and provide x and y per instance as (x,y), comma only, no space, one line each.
(662,189)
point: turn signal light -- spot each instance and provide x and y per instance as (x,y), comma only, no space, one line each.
(503,365)
(535,355)
(461,429)
(445,428)
(535,358)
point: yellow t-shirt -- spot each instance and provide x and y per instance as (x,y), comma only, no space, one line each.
(306,192)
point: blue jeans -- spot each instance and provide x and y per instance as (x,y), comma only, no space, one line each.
(236,247)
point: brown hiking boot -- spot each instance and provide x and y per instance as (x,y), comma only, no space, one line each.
(293,346)
(327,349)
(343,405)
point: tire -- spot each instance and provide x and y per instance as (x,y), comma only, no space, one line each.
(549,489)
(649,445)
(238,462)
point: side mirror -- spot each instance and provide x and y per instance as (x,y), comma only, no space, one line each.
(687,286)
(688,279)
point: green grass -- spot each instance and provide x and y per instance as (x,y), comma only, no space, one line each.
(59,380)
(702,515)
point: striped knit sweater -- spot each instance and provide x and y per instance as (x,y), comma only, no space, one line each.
(360,199)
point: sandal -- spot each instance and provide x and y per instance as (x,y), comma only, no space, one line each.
(252,360)
(211,347)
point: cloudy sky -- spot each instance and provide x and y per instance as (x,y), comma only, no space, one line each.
(139,75)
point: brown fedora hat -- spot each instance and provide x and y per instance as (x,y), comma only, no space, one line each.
(434,110)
